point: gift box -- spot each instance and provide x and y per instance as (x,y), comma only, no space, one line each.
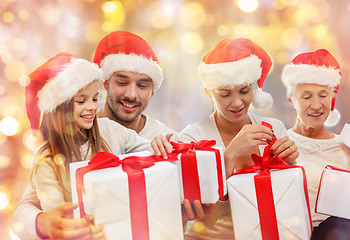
(270,200)
(134,197)
(333,198)
(201,170)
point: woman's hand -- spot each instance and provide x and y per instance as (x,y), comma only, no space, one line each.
(161,146)
(286,149)
(195,210)
(249,136)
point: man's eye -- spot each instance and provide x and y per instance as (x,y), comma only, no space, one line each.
(121,83)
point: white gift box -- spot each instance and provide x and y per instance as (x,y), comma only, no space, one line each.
(106,197)
(333,196)
(208,178)
(345,135)
(292,213)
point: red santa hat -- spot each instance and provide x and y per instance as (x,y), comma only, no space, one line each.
(125,51)
(237,61)
(318,67)
(57,81)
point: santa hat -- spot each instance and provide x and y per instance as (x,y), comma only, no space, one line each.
(125,51)
(57,81)
(237,61)
(318,67)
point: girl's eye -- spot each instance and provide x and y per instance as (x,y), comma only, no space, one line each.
(95,99)
(80,102)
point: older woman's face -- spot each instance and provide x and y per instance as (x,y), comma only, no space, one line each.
(232,103)
(312,103)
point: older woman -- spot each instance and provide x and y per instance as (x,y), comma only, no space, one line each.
(228,72)
(312,80)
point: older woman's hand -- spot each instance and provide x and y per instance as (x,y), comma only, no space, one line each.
(286,149)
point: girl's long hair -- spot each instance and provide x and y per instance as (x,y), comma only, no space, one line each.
(63,138)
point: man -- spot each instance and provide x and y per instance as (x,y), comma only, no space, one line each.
(131,74)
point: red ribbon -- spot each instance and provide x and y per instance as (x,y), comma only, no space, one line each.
(189,163)
(133,166)
(263,189)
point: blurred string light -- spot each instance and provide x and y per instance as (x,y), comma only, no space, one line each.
(4,162)
(9,126)
(4,201)
(50,14)
(114,14)
(23,15)
(14,70)
(191,43)
(8,17)
(248,6)
(192,15)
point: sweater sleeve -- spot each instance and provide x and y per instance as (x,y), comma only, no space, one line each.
(47,186)
(25,215)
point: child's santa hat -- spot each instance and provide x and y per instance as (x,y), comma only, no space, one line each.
(318,67)
(125,51)
(57,81)
(237,61)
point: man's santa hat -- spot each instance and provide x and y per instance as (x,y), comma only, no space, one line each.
(237,61)
(55,82)
(125,51)
(318,67)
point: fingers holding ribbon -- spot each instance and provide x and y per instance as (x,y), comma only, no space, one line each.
(286,149)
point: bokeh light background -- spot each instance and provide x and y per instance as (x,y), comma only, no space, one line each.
(180,31)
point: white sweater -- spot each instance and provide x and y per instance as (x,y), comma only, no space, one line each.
(219,224)
(314,155)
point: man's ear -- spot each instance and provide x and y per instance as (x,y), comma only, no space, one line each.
(152,93)
(105,84)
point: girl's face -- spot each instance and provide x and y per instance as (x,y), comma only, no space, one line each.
(232,103)
(85,106)
(313,104)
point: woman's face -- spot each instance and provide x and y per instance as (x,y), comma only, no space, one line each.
(312,103)
(85,106)
(232,103)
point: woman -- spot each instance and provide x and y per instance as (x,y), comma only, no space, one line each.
(228,72)
(312,81)
(66,91)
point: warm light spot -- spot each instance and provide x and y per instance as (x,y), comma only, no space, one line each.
(26,161)
(4,201)
(248,6)
(93,32)
(8,17)
(59,159)
(14,70)
(109,6)
(71,129)
(192,15)
(50,14)
(12,234)
(191,43)
(114,12)
(223,30)
(160,19)
(39,159)
(23,15)
(107,26)
(9,126)
(290,2)
(198,226)
(18,44)
(282,57)
(23,81)
(291,38)
(4,162)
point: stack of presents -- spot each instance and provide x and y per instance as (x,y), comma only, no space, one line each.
(138,196)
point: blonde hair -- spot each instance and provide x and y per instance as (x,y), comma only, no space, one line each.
(62,136)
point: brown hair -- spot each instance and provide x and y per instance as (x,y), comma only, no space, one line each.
(62,136)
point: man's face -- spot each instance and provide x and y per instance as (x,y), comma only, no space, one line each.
(128,94)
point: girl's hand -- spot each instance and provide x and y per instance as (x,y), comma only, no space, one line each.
(249,136)
(97,232)
(161,145)
(195,210)
(286,149)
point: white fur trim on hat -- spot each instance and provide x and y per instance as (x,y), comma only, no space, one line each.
(77,74)
(261,100)
(243,71)
(305,73)
(132,63)
(333,118)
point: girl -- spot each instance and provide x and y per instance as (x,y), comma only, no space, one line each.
(228,72)
(66,91)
